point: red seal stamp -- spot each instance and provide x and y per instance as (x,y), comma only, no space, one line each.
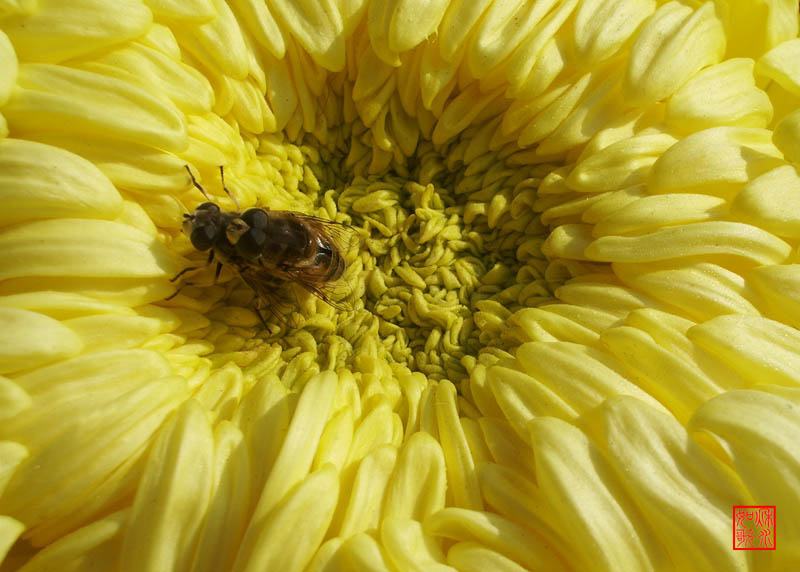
(754,528)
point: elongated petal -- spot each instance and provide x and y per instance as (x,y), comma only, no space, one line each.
(299,521)
(177,481)
(41,181)
(673,45)
(54,98)
(761,350)
(770,202)
(703,238)
(58,31)
(683,491)
(722,94)
(30,340)
(760,433)
(582,488)
(780,65)
(317,26)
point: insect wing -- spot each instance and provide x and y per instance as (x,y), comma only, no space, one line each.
(346,239)
(341,293)
(270,294)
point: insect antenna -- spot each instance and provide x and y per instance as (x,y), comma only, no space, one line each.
(222,178)
(196,184)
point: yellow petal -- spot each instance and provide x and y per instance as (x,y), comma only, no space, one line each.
(583,377)
(522,62)
(412,21)
(473,557)
(10,530)
(95,545)
(218,43)
(781,65)
(755,28)
(294,460)
(503,26)
(650,213)
(57,98)
(701,290)
(11,456)
(173,496)
(761,433)
(82,247)
(556,320)
(787,137)
(260,22)
(30,340)
(780,287)
(410,548)
(603,26)
(722,94)
(606,529)
(674,43)
(615,300)
(568,241)
(611,202)
(288,539)
(9,67)
(717,161)
(186,87)
(113,331)
(13,399)
(362,552)
(772,202)
(366,498)
(684,493)
(462,478)
(521,398)
(57,31)
(622,164)
(188,10)
(417,487)
(702,238)
(680,385)
(457,23)
(41,181)
(317,26)
(116,429)
(495,533)
(128,165)
(759,349)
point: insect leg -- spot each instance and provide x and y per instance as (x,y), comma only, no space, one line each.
(178,291)
(182,272)
(261,317)
(195,183)
(224,188)
(190,268)
(217,270)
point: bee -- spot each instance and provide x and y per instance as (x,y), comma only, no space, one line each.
(270,249)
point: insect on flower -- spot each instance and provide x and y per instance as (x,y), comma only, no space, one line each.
(270,249)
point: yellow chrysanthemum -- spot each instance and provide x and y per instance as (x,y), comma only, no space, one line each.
(576,344)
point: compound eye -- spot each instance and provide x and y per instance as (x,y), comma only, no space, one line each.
(256,218)
(208,207)
(203,237)
(251,243)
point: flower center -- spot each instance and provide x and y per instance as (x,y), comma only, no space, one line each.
(452,248)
